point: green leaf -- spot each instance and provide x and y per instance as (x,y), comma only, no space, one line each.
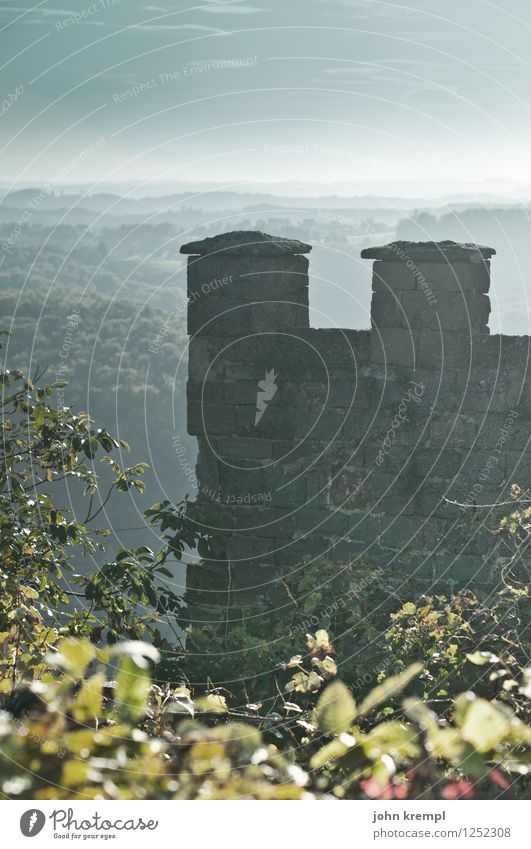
(335,709)
(133,683)
(333,750)
(389,688)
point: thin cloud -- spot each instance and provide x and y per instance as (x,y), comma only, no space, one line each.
(180,27)
(232,10)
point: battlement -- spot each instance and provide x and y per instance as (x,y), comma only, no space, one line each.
(337,444)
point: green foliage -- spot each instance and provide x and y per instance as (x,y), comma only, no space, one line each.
(87,737)
(42,596)
(463,644)
(352,603)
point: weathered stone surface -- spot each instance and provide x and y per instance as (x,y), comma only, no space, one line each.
(453,429)
(246,243)
(211,419)
(433,279)
(349,459)
(444,350)
(456,312)
(443,463)
(249,448)
(429,252)
(395,346)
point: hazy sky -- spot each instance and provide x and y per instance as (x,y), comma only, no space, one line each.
(331,91)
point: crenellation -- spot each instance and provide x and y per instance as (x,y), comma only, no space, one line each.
(337,444)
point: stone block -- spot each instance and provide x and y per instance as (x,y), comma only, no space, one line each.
(209,392)
(390,495)
(255,575)
(444,350)
(247,551)
(394,346)
(247,448)
(518,468)
(214,316)
(390,276)
(216,273)
(260,286)
(387,311)
(207,468)
(433,464)
(240,391)
(204,362)
(443,389)
(504,431)
(211,419)
(401,532)
(453,430)
(429,500)
(489,391)
(451,312)
(241,370)
(278,315)
(276,422)
(314,424)
(349,489)
(357,425)
(452,278)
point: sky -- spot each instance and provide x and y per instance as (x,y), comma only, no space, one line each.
(431,94)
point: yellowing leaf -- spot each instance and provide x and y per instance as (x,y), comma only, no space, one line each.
(304,682)
(88,702)
(391,738)
(28,592)
(480,658)
(485,725)
(74,772)
(212,703)
(446,743)
(75,655)
(335,709)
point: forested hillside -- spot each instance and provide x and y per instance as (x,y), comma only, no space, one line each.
(91,320)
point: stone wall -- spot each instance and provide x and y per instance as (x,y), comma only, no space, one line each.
(338,444)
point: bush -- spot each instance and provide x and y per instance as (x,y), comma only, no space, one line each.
(84,736)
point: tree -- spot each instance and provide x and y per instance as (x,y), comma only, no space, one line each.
(43,447)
